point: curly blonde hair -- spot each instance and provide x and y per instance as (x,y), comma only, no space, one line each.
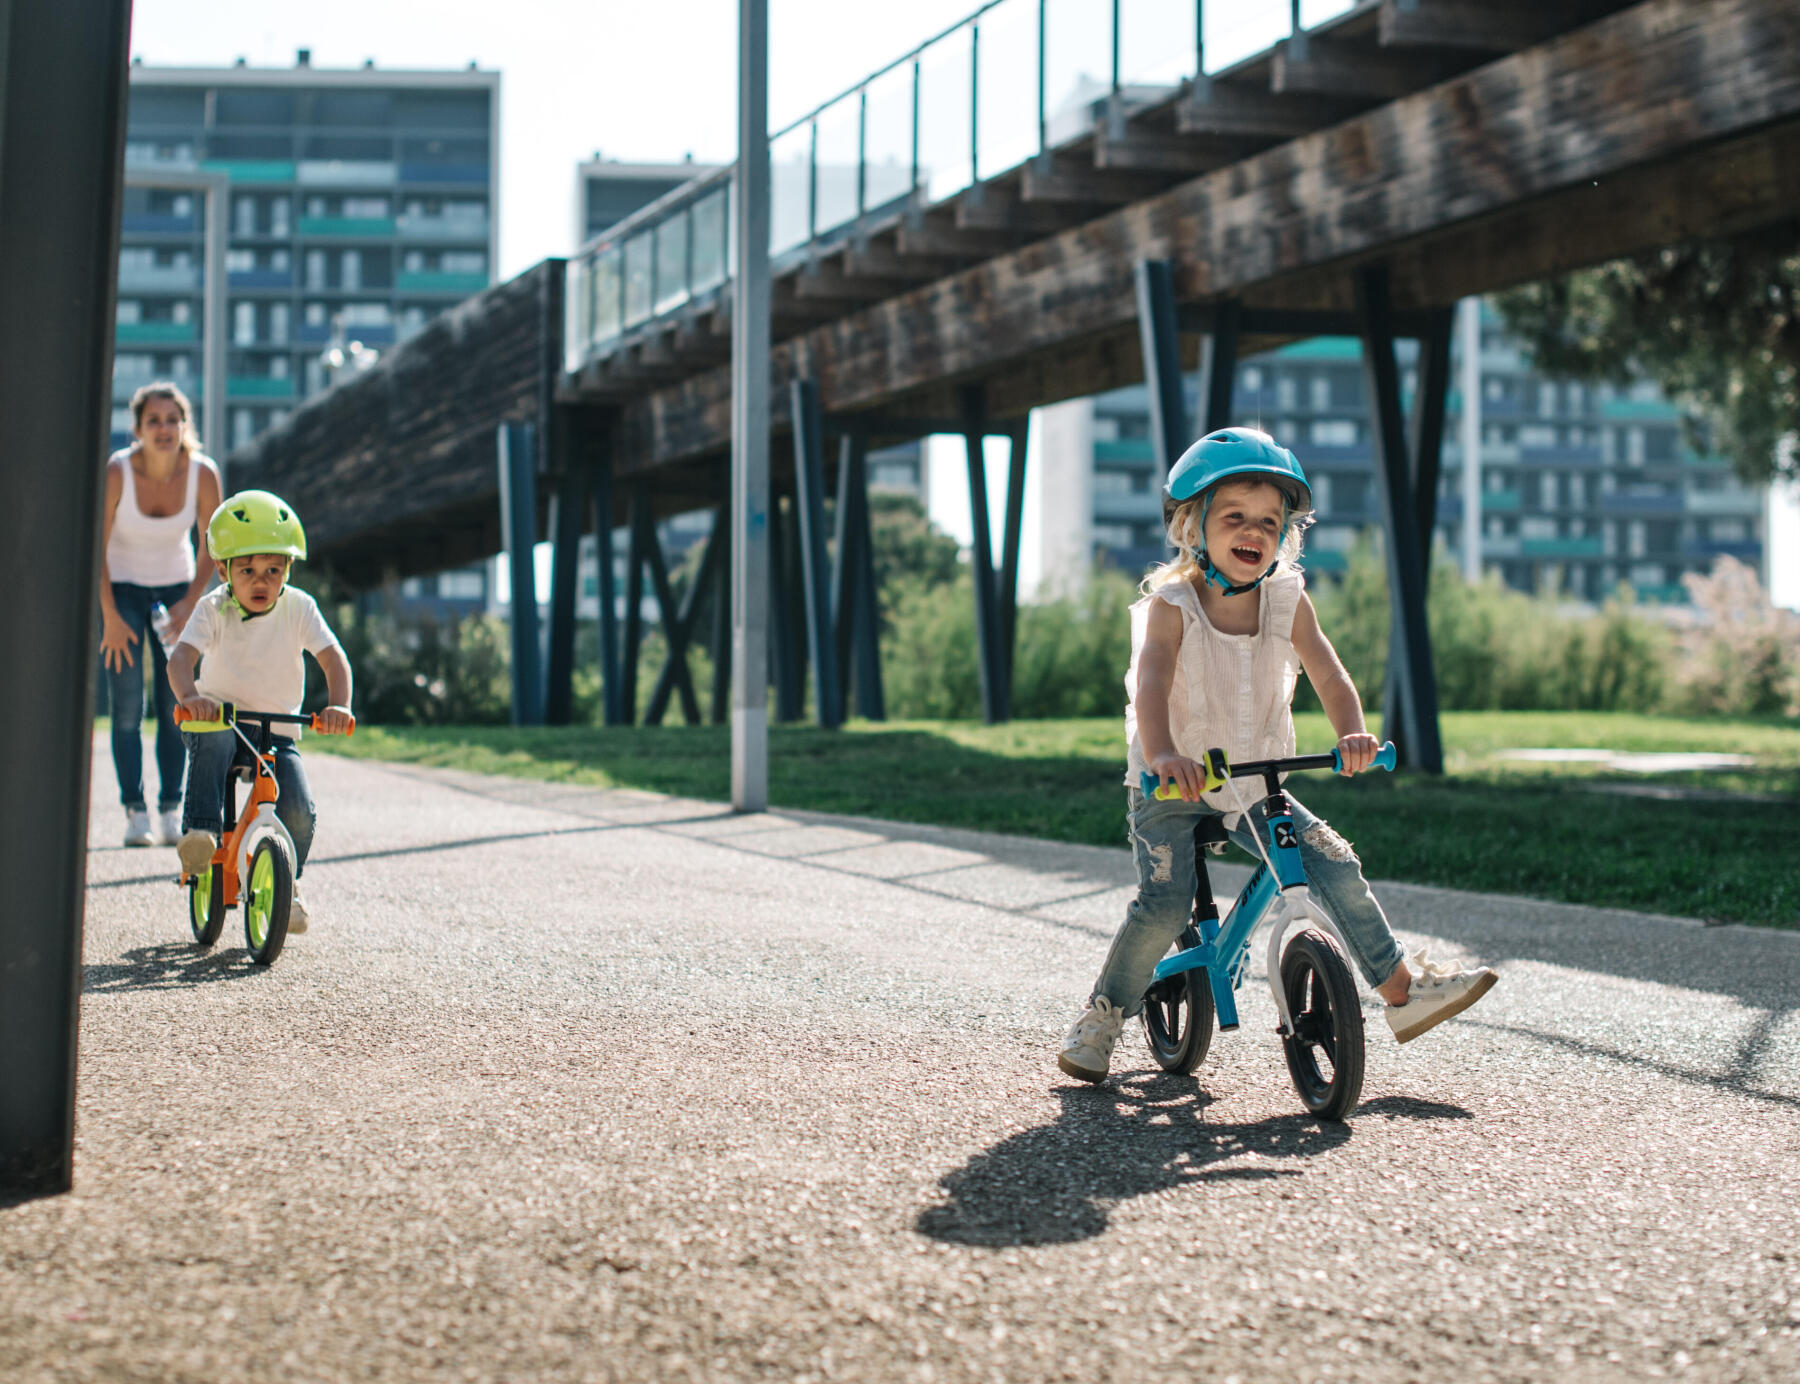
(1184,531)
(167,389)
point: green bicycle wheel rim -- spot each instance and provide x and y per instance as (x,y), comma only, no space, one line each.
(261,904)
(200,901)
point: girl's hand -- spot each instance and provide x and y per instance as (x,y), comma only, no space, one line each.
(336,720)
(1357,752)
(202,708)
(1181,771)
(116,640)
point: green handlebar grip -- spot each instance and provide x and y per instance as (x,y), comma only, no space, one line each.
(1216,767)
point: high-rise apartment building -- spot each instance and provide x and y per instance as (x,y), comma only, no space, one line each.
(1582,487)
(359,204)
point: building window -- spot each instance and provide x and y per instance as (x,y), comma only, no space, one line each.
(1546,400)
(1332,432)
(1286,394)
(1537,435)
(1112,535)
(1321,391)
(243,324)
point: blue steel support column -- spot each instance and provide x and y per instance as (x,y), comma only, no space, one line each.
(678,626)
(871,702)
(981,557)
(614,706)
(1409,638)
(809,494)
(784,644)
(1158,334)
(1007,597)
(1425,433)
(721,620)
(1218,366)
(518,530)
(844,568)
(62,129)
(568,519)
(640,532)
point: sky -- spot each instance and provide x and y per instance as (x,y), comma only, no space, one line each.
(645,81)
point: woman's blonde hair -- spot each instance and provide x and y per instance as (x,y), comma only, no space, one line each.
(167,389)
(1184,531)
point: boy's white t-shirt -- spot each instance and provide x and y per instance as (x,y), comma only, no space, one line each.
(256,663)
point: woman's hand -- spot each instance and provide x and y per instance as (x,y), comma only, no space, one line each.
(116,640)
(179,614)
(201,708)
(336,720)
(1357,751)
(1181,771)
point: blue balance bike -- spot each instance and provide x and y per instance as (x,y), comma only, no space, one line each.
(1319,1012)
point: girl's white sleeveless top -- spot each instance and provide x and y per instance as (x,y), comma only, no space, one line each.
(1233,692)
(146,551)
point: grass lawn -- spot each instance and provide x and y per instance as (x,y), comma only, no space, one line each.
(1566,831)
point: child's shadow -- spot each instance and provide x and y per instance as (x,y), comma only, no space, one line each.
(1137,1134)
(166,966)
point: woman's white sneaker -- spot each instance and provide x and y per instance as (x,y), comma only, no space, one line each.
(168,827)
(1087,1046)
(137,828)
(1437,992)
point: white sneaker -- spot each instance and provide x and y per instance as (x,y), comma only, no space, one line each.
(1087,1046)
(196,851)
(168,826)
(1437,993)
(296,913)
(137,828)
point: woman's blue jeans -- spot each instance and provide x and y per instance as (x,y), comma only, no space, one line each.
(1162,839)
(210,757)
(125,693)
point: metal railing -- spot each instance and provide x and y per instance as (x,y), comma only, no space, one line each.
(1016,79)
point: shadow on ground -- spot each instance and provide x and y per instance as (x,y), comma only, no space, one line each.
(168,966)
(1135,1135)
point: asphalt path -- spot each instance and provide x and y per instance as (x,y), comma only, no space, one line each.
(568,1084)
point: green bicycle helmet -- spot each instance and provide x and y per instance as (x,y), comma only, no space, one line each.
(254,521)
(1223,455)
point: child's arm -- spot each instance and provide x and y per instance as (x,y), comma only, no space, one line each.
(335,719)
(181,681)
(1337,694)
(1156,672)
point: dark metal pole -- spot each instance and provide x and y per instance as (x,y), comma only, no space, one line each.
(1218,367)
(844,566)
(600,479)
(518,529)
(639,524)
(865,621)
(809,493)
(1007,596)
(62,131)
(721,620)
(568,519)
(1158,334)
(981,554)
(675,625)
(1409,638)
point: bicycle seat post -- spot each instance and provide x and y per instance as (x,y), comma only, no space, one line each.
(1206,908)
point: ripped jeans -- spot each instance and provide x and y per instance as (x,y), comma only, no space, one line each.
(1162,839)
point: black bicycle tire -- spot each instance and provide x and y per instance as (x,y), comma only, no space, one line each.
(1184,1002)
(1335,1028)
(279,904)
(208,934)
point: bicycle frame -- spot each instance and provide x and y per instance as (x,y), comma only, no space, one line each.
(1277,890)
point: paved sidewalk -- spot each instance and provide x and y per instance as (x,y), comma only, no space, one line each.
(569,1084)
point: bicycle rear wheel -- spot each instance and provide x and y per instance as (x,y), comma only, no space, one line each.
(1325,1051)
(1178,1015)
(268,894)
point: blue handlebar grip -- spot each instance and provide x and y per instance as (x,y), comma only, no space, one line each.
(1385,758)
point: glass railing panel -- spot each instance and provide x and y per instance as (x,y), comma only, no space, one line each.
(609,296)
(1157,44)
(672,262)
(790,189)
(945,150)
(1006,109)
(1237,32)
(712,239)
(837,163)
(640,255)
(1077,65)
(888,137)
(578,314)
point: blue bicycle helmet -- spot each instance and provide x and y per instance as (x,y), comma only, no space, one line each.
(1222,455)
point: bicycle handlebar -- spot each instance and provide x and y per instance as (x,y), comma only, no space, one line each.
(1218,770)
(229,714)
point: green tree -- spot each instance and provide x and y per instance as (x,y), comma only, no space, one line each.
(1716,324)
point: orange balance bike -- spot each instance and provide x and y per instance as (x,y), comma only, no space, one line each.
(256,860)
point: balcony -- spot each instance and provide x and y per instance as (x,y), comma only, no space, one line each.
(261,278)
(1562,547)
(474,231)
(124,385)
(439,281)
(1639,411)
(157,223)
(1501,501)
(1744,549)
(156,333)
(159,278)
(1735,502)
(462,174)
(1126,449)
(346,172)
(355,227)
(1617,503)
(259,387)
(253,170)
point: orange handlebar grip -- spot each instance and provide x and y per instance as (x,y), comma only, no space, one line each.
(319,727)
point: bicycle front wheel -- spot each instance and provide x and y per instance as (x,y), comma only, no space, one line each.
(1325,1051)
(206,905)
(268,894)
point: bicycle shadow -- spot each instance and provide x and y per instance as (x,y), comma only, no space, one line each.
(1140,1133)
(166,966)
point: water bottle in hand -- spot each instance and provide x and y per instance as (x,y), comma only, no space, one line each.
(163,625)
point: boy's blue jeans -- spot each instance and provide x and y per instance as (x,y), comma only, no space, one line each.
(1162,838)
(125,694)
(210,757)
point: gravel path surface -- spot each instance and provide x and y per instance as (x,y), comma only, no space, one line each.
(577,1085)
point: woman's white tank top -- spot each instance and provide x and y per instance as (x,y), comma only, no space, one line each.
(1233,692)
(148,551)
